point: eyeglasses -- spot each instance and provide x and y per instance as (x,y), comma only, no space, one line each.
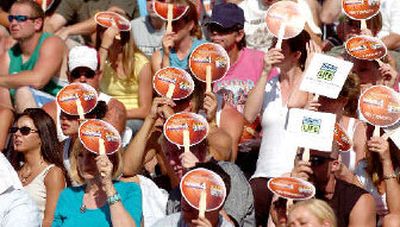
(215,28)
(77,73)
(20,18)
(25,130)
(318,160)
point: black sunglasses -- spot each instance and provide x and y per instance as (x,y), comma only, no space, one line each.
(20,18)
(318,160)
(215,28)
(25,130)
(77,73)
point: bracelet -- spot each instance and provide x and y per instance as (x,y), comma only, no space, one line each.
(103,48)
(390,176)
(114,199)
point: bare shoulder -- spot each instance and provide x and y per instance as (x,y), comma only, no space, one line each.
(56,44)
(54,177)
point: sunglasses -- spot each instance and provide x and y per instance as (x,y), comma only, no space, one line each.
(215,28)
(25,130)
(318,160)
(76,74)
(20,18)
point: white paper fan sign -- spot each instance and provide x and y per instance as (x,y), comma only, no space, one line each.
(326,75)
(310,129)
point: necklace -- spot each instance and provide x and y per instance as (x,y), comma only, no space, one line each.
(83,208)
(26,171)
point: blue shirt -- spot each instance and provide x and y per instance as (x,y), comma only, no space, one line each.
(68,207)
(174,61)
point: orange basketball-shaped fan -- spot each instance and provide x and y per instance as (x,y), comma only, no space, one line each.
(286,16)
(380,105)
(45,4)
(291,188)
(161,9)
(91,131)
(67,98)
(194,182)
(341,138)
(366,47)
(361,9)
(170,77)
(196,124)
(209,54)
(106,19)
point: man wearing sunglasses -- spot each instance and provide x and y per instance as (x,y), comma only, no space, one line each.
(29,67)
(83,67)
(353,205)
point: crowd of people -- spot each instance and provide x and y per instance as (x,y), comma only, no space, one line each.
(49,178)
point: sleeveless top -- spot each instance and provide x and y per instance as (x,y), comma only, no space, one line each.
(345,197)
(124,90)
(37,190)
(174,61)
(17,65)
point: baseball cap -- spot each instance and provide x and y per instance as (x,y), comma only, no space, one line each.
(227,15)
(82,56)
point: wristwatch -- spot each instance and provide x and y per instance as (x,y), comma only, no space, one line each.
(114,199)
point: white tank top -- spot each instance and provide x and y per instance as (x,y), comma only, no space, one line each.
(277,151)
(37,190)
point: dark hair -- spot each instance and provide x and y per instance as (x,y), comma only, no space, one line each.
(50,148)
(36,8)
(192,15)
(351,90)
(298,43)
(99,112)
(213,166)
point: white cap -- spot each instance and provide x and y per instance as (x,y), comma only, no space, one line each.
(82,56)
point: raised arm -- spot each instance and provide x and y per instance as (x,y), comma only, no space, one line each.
(363,212)
(48,65)
(254,101)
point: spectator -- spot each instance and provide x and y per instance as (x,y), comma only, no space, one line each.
(17,208)
(148,31)
(126,74)
(276,154)
(76,17)
(352,205)
(390,32)
(226,28)
(313,212)
(70,126)
(189,216)
(101,200)
(31,65)
(378,173)
(36,156)
(83,67)
(177,45)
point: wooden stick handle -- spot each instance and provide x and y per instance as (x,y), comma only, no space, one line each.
(102,151)
(281,34)
(117,37)
(79,108)
(44,5)
(171,89)
(363,24)
(169,17)
(203,203)
(377,131)
(208,78)
(186,140)
(306,154)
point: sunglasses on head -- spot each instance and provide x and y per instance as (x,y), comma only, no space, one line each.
(25,130)
(77,73)
(20,18)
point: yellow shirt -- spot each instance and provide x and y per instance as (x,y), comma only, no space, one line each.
(125,90)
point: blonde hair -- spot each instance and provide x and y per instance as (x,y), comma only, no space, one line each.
(116,160)
(319,208)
